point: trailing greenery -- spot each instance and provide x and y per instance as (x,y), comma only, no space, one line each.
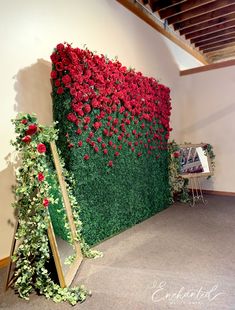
(113,129)
(178,185)
(36,192)
(208,148)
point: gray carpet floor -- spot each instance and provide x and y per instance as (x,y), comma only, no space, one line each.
(181,258)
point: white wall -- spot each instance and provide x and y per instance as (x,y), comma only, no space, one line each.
(207,115)
(29,30)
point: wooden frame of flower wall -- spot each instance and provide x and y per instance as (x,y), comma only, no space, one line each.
(113,129)
(34,196)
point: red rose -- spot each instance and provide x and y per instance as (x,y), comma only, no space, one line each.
(103,145)
(59,66)
(86,157)
(79,131)
(71,117)
(86,119)
(99,139)
(26,139)
(105,151)
(79,143)
(70,145)
(176,154)
(24,121)
(97,125)
(80,112)
(45,202)
(139,154)
(87,108)
(57,83)
(32,129)
(60,47)
(105,132)
(53,74)
(91,134)
(96,149)
(115,121)
(41,148)
(66,79)
(110,143)
(121,110)
(110,163)
(40,177)
(116,154)
(60,90)
(95,103)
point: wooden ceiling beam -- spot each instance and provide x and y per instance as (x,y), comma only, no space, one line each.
(205,17)
(217,44)
(210,30)
(213,66)
(157,5)
(217,55)
(208,24)
(217,48)
(139,11)
(182,7)
(215,39)
(209,8)
(213,35)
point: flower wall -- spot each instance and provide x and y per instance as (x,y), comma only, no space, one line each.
(113,129)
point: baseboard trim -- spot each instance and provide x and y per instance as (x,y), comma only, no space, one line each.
(4,262)
(216,193)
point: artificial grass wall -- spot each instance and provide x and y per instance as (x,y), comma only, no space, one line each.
(113,130)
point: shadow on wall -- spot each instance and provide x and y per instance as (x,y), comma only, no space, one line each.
(33,89)
(7,180)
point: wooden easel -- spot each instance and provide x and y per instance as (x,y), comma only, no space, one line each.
(10,279)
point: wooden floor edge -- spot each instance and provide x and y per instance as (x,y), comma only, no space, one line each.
(216,193)
(4,262)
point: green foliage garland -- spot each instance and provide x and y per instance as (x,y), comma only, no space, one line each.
(208,148)
(178,185)
(33,198)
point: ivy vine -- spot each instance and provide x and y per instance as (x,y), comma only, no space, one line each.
(33,198)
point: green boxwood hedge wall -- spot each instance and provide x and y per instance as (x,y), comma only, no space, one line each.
(113,130)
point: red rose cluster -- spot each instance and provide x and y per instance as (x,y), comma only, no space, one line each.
(119,98)
(31,130)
